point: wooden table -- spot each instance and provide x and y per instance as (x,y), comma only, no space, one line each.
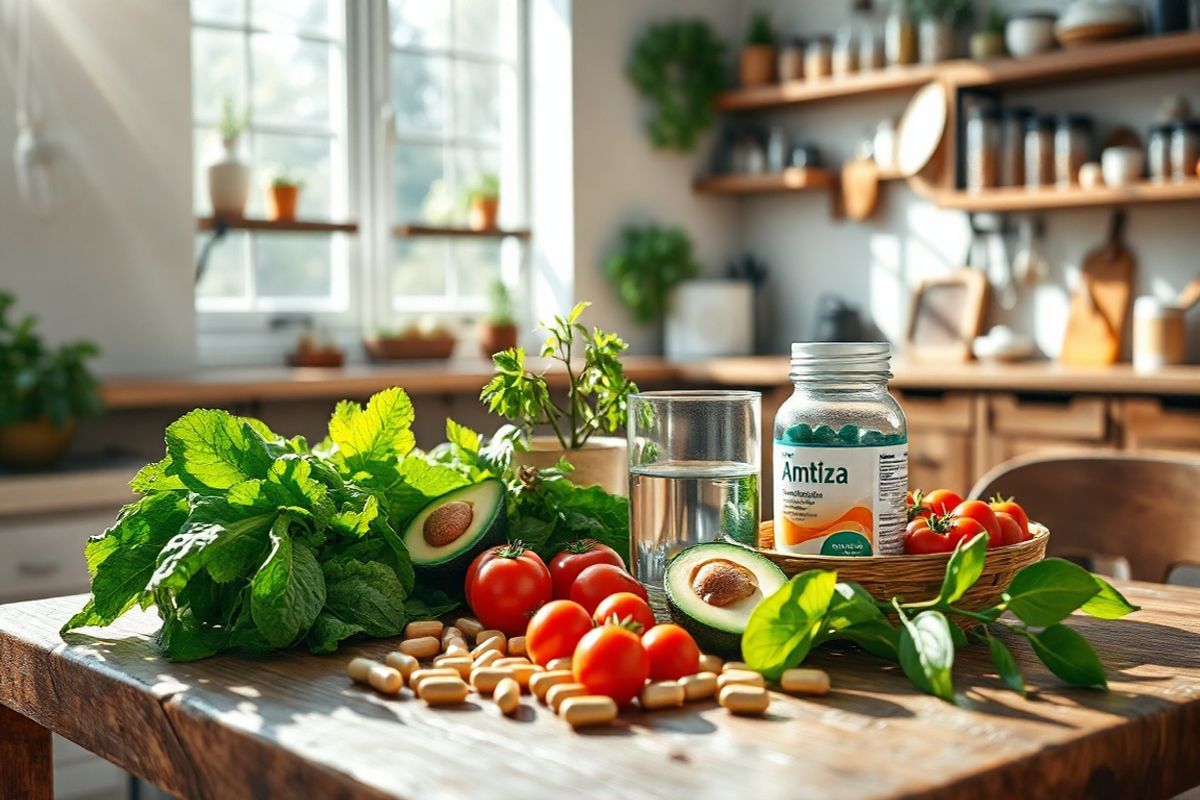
(295,726)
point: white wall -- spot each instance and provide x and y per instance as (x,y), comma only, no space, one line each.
(114,262)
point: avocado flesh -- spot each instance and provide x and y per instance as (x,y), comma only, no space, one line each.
(489,527)
(717,629)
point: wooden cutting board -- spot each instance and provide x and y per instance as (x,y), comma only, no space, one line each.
(1096,325)
(860,188)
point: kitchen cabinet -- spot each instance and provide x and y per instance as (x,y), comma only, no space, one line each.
(1022,425)
(1151,423)
(941,438)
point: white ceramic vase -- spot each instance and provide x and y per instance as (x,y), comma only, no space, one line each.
(229,182)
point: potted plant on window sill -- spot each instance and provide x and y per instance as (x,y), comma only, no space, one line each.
(43,393)
(283,194)
(229,176)
(499,330)
(597,391)
(483,203)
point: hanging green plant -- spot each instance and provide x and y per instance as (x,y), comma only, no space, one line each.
(648,263)
(679,68)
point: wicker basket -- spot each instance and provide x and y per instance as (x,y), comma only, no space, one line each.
(918,577)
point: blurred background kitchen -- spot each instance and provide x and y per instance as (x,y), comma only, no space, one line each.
(268,205)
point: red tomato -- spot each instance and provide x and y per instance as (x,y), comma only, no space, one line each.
(575,558)
(673,652)
(964,529)
(981,513)
(942,501)
(1010,507)
(555,630)
(920,539)
(625,606)
(599,581)
(1010,529)
(505,585)
(611,661)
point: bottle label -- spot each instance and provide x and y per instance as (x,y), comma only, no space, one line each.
(840,501)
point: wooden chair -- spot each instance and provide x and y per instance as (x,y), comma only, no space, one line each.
(1137,514)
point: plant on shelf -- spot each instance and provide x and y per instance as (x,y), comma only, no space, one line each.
(647,264)
(229,176)
(595,402)
(483,201)
(756,64)
(44,392)
(939,20)
(283,194)
(989,42)
(498,331)
(679,68)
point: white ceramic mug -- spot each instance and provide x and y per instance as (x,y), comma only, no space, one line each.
(1122,165)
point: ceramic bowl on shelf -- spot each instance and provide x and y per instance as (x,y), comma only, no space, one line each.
(1122,165)
(1087,21)
(1028,33)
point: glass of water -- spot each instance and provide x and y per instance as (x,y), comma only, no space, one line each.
(694,468)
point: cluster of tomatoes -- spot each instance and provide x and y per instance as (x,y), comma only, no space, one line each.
(585,607)
(938,521)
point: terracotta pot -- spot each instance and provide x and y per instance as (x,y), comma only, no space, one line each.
(34,445)
(603,461)
(494,338)
(229,182)
(756,64)
(281,202)
(484,212)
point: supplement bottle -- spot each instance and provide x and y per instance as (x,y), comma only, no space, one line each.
(840,465)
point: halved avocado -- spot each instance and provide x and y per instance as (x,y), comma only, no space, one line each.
(712,588)
(446,535)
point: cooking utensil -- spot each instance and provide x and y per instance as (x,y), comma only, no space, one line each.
(922,129)
(1100,306)
(860,188)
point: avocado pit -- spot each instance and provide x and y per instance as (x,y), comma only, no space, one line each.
(721,582)
(447,522)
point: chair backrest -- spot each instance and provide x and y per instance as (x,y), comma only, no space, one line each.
(1144,507)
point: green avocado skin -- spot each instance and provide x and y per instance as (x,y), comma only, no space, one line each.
(448,575)
(709,640)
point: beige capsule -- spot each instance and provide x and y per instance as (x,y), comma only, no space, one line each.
(442,691)
(507,696)
(540,683)
(458,647)
(565,662)
(523,673)
(739,698)
(560,692)
(516,646)
(424,647)
(460,663)
(805,681)
(485,679)
(469,626)
(700,686)
(450,633)
(494,643)
(403,662)
(385,679)
(740,676)
(424,627)
(509,661)
(661,694)
(710,663)
(487,659)
(584,711)
(491,633)
(732,665)
(415,679)
(359,668)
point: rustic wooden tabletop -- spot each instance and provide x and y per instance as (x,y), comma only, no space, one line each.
(295,726)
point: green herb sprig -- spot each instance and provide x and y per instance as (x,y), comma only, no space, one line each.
(814,607)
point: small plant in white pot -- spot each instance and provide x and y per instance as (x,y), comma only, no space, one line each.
(229,176)
(597,392)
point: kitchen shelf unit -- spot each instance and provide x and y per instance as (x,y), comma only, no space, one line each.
(1021,199)
(264,225)
(414,230)
(792,179)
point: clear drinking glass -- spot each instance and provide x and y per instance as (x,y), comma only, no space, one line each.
(694,471)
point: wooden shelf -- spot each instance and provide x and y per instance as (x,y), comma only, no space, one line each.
(792,179)
(892,79)
(413,230)
(1020,199)
(291,226)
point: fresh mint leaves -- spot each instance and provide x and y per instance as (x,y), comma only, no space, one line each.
(814,608)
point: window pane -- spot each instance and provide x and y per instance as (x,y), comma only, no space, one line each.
(419,269)
(229,12)
(419,175)
(305,16)
(420,23)
(477,100)
(293,265)
(477,265)
(291,80)
(419,93)
(308,158)
(479,25)
(218,68)
(225,274)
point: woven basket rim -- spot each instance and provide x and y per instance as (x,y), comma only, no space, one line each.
(1038,532)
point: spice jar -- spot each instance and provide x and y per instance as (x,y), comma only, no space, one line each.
(1185,150)
(845,53)
(791,60)
(870,49)
(1158,152)
(983,148)
(818,58)
(1012,146)
(1072,148)
(900,35)
(840,453)
(1039,152)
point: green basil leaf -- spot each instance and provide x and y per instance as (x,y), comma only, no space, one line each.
(288,591)
(782,628)
(963,569)
(1046,592)
(853,615)
(1006,665)
(927,653)
(1108,603)
(211,451)
(328,631)
(1069,656)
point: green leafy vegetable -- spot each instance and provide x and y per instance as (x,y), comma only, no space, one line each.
(1068,655)
(1046,592)
(784,626)
(963,569)
(1108,603)
(1006,665)
(927,652)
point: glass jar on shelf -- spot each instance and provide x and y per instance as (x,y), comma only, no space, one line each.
(983,148)
(1039,152)
(818,57)
(900,35)
(844,60)
(1158,152)
(1012,146)
(791,60)
(1185,150)
(1072,148)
